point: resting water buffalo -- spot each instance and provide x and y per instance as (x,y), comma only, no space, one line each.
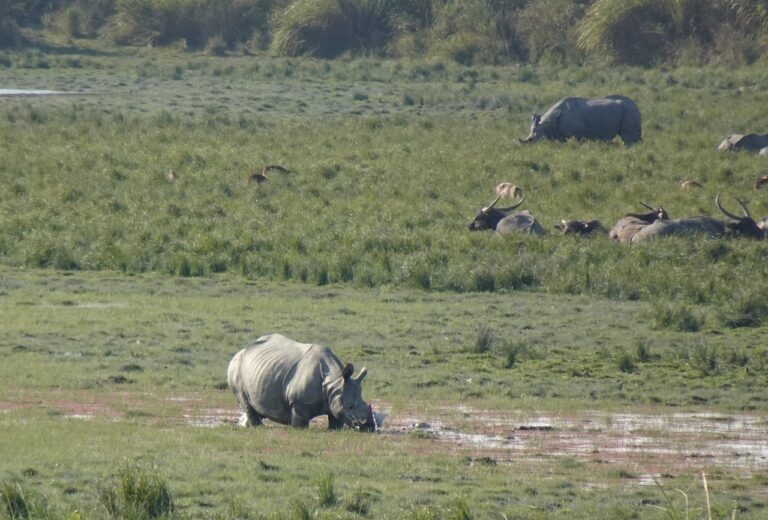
(290,383)
(626,228)
(744,226)
(504,221)
(580,227)
(681,226)
(599,119)
(748,142)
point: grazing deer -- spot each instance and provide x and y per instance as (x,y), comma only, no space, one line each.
(509,190)
(689,185)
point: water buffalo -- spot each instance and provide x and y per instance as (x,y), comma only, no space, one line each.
(504,221)
(290,383)
(681,226)
(599,119)
(748,142)
(626,228)
(744,226)
(580,227)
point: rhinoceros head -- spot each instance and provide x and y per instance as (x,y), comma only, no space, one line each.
(345,400)
(539,130)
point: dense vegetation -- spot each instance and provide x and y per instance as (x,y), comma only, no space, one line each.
(127,294)
(389,162)
(640,32)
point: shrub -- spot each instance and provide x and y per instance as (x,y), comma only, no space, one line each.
(139,493)
(547,30)
(484,340)
(329,28)
(18,504)
(749,310)
(195,22)
(326,494)
(625,363)
(679,318)
(643,32)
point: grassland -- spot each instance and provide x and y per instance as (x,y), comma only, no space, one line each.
(123,296)
(105,370)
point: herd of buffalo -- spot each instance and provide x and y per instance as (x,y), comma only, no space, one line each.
(603,119)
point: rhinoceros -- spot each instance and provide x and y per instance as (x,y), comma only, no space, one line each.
(599,119)
(749,142)
(290,383)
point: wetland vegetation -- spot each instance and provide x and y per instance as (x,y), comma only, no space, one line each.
(123,296)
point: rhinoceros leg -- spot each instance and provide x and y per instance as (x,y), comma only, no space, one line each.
(253,418)
(250,416)
(299,417)
(334,423)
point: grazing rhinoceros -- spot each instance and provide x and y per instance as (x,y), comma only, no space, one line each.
(290,383)
(598,119)
(749,142)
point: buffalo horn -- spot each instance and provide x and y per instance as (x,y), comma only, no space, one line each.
(744,207)
(492,204)
(731,215)
(510,208)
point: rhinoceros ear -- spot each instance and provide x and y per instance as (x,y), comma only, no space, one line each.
(536,119)
(362,374)
(346,373)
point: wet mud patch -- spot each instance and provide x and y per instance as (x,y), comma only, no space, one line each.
(646,446)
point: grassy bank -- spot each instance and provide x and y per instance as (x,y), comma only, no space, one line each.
(389,162)
(105,373)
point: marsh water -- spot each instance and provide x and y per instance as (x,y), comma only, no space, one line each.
(649,445)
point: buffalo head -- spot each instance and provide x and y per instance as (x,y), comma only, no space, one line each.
(744,226)
(489,216)
(658,213)
(580,227)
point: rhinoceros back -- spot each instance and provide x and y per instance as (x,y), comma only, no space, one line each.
(598,119)
(274,372)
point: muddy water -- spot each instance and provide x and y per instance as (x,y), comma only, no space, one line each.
(649,445)
(31,92)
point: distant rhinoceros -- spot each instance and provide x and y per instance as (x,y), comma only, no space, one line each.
(290,383)
(749,142)
(599,119)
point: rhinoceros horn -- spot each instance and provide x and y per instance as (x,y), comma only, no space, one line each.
(731,215)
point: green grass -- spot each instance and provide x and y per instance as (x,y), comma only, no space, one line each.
(381,190)
(142,352)
(126,296)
